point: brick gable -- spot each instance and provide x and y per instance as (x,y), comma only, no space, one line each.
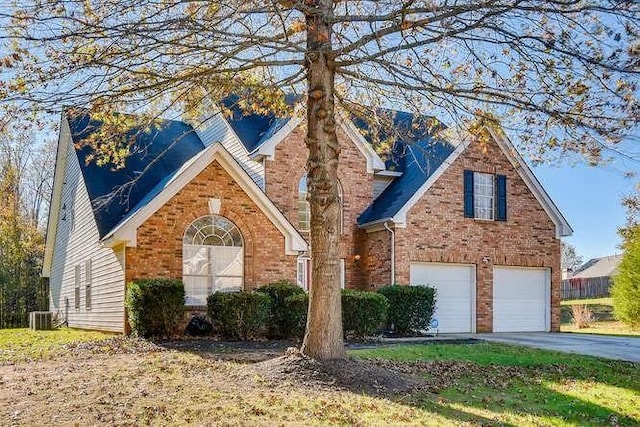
(283,173)
(437,230)
(159,240)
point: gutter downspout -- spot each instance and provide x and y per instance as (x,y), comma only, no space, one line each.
(393,252)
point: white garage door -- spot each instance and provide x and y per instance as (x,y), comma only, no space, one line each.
(455,300)
(520,299)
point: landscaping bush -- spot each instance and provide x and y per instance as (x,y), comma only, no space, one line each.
(582,316)
(297,307)
(239,315)
(410,307)
(155,306)
(282,321)
(625,291)
(362,312)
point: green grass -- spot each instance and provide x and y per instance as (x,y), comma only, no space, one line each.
(606,323)
(483,383)
(19,345)
(522,386)
(599,301)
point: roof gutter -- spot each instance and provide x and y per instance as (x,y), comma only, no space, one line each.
(393,252)
(376,222)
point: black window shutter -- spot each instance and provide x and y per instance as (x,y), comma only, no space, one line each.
(501,193)
(468,194)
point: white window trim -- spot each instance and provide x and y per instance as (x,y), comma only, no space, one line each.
(302,272)
(304,207)
(486,181)
(188,241)
(341,203)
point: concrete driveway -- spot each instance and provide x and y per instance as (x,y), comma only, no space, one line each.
(619,348)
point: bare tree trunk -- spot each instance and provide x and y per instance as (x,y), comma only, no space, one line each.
(323,339)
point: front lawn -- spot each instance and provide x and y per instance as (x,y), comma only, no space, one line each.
(605,324)
(520,386)
(115,381)
(20,345)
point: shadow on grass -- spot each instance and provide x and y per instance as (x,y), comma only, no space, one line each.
(482,395)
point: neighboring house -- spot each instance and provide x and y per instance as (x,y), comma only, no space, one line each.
(225,208)
(593,279)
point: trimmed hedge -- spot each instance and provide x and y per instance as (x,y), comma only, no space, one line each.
(362,312)
(283,323)
(155,307)
(297,307)
(239,315)
(410,307)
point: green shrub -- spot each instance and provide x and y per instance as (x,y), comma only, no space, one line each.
(362,312)
(282,321)
(155,307)
(626,283)
(410,307)
(297,307)
(239,315)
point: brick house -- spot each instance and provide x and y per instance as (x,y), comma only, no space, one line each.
(224,208)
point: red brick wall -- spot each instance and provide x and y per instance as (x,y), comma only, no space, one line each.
(159,240)
(437,231)
(377,259)
(283,174)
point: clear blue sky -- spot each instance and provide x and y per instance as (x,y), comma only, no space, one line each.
(589,197)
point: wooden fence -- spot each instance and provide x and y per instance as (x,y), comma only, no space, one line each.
(591,287)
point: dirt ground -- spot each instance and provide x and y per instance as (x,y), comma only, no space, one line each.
(124,382)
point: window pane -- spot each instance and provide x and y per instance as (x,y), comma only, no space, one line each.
(303,273)
(227,284)
(304,216)
(212,258)
(226,261)
(483,195)
(196,289)
(212,230)
(195,260)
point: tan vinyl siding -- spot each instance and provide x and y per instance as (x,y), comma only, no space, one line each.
(74,245)
(217,130)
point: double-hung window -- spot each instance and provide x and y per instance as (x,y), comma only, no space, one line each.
(485,196)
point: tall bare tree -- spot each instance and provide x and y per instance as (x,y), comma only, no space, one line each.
(569,258)
(561,74)
(26,174)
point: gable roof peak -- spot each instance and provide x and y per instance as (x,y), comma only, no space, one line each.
(154,153)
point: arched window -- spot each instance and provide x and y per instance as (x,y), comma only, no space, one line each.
(212,258)
(304,209)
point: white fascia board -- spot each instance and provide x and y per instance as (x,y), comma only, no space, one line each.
(374,162)
(268,148)
(389,173)
(376,225)
(127,231)
(563,228)
(400,218)
(62,152)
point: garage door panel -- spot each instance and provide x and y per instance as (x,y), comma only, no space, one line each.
(454,299)
(520,299)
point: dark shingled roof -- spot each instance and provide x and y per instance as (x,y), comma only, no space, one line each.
(158,153)
(155,155)
(254,129)
(416,153)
